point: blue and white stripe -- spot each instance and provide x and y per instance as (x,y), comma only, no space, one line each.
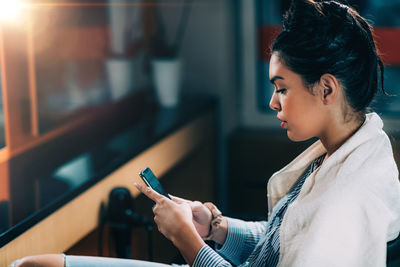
(254,243)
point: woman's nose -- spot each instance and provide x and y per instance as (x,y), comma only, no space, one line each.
(274,103)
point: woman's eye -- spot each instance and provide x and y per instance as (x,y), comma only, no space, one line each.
(281,91)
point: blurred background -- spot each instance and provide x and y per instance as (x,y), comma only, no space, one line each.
(72,65)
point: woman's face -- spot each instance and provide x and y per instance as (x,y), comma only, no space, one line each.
(300,112)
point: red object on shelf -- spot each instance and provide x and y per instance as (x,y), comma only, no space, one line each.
(387,40)
(266,36)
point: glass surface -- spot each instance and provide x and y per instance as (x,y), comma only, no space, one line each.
(91,79)
(55,177)
(383,14)
(85,56)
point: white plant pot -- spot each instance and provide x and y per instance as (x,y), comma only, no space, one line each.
(120,74)
(167,81)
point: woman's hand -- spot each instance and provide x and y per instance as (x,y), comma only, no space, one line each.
(170,216)
(201,215)
(175,222)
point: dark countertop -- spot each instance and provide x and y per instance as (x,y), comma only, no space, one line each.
(54,175)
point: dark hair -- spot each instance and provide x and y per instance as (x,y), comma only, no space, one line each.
(330,37)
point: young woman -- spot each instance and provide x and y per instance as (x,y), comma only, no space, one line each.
(336,204)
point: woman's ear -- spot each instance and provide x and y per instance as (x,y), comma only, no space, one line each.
(330,88)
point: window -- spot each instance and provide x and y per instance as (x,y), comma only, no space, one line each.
(58,87)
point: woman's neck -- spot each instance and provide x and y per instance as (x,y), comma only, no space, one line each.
(337,133)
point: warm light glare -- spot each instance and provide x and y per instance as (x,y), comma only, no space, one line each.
(10,10)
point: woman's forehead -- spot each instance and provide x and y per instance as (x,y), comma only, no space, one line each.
(274,65)
(278,71)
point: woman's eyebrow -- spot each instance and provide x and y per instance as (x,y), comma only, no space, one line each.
(273,79)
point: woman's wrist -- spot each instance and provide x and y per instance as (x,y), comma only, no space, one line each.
(189,243)
(221,232)
(218,226)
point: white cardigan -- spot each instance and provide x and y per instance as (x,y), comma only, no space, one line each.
(347,210)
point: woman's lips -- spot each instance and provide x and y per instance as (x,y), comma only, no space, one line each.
(283,123)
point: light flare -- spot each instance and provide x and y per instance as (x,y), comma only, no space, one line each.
(10,10)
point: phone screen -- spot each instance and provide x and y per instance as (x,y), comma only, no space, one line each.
(151,180)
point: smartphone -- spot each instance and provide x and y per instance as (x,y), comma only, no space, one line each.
(151,180)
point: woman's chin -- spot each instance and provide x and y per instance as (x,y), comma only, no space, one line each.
(295,138)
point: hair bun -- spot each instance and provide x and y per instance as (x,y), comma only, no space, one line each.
(294,17)
(308,14)
(334,10)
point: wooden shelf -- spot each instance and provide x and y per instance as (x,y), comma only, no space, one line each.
(79,217)
(77,121)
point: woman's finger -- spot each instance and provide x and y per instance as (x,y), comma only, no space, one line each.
(179,200)
(196,205)
(149,192)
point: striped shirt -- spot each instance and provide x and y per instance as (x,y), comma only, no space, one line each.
(254,243)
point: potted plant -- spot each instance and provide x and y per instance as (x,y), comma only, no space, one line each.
(125,45)
(166,64)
